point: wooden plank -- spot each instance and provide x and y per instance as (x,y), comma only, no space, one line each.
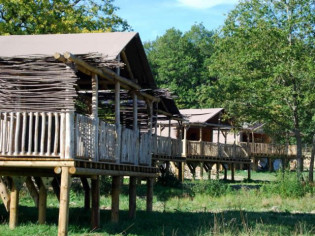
(24,124)
(91,172)
(62,135)
(30,163)
(69,147)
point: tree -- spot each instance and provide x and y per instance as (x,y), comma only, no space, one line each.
(264,62)
(59,16)
(178,62)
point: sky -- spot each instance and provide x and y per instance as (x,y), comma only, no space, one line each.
(151,18)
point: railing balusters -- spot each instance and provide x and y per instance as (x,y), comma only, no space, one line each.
(43,133)
(57,129)
(62,135)
(1,132)
(24,124)
(36,133)
(49,134)
(11,134)
(17,131)
(30,134)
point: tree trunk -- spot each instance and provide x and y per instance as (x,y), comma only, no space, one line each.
(310,176)
(299,158)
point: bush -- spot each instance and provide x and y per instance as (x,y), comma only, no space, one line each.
(288,185)
(214,188)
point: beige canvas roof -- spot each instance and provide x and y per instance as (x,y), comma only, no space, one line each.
(200,115)
(108,44)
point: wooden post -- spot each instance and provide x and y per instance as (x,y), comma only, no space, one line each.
(132,197)
(270,167)
(185,142)
(217,171)
(14,204)
(115,199)
(232,172)
(117,122)
(135,127)
(181,171)
(42,203)
(64,202)
(69,148)
(248,172)
(87,193)
(94,116)
(225,171)
(5,196)
(149,194)
(201,170)
(95,190)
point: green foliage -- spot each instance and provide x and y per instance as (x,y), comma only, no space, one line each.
(59,16)
(169,180)
(105,185)
(288,186)
(264,62)
(213,188)
(178,62)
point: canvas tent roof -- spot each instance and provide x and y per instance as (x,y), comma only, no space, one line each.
(200,115)
(108,44)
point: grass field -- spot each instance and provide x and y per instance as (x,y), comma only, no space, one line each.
(192,209)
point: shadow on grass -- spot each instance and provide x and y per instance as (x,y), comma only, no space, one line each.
(176,222)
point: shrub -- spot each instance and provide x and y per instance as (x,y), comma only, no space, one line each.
(288,185)
(214,188)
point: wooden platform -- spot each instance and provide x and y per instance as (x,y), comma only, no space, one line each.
(21,166)
(168,158)
(217,159)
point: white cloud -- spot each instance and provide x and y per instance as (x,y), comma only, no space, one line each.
(203,4)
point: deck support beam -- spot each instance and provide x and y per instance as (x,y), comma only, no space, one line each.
(115,198)
(95,214)
(42,203)
(132,197)
(249,172)
(87,193)
(150,194)
(64,202)
(232,171)
(14,204)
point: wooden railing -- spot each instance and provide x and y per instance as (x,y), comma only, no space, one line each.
(32,134)
(197,148)
(119,145)
(272,149)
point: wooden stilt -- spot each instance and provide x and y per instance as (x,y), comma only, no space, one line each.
(225,171)
(42,203)
(87,193)
(5,196)
(270,164)
(132,197)
(232,172)
(64,202)
(149,194)
(201,170)
(217,171)
(95,216)
(248,172)
(115,199)
(32,190)
(181,171)
(56,187)
(14,203)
